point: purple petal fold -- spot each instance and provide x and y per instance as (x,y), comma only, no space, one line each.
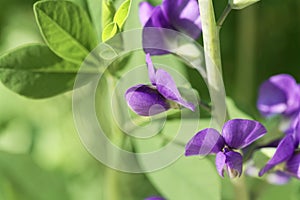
(279,95)
(234,163)
(220,163)
(283,152)
(145,12)
(146,101)
(230,161)
(151,70)
(239,133)
(205,142)
(167,87)
(293,165)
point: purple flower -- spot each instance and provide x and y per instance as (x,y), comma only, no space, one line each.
(278,178)
(285,152)
(155,198)
(161,95)
(293,165)
(236,134)
(280,94)
(179,15)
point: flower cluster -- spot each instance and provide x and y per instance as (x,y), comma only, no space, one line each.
(236,135)
(280,95)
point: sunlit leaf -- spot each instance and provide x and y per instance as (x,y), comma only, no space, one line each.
(108,12)
(122,13)
(234,111)
(66,29)
(109,31)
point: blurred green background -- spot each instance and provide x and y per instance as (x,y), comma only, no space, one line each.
(41,156)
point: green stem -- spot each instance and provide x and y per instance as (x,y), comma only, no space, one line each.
(240,188)
(211,41)
(223,16)
(210,33)
(212,50)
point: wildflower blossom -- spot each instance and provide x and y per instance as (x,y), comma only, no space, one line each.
(236,134)
(158,97)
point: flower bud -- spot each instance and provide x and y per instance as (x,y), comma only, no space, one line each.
(146,101)
(240,4)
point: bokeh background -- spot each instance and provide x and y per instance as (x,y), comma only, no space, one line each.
(38,140)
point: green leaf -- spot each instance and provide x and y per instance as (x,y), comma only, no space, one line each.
(25,180)
(289,191)
(108,12)
(188,178)
(66,29)
(95,10)
(234,111)
(109,31)
(36,72)
(124,186)
(122,13)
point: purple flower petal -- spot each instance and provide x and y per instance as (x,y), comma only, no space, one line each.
(278,95)
(231,161)
(146,101)
(155,198)
(167,87)
(283,152)
(239,133)
(145,12)
(278,178)
(187,27)
(234,163)
(293,165)
(156,41)
(179,15)
(220,163)
(184,16)
(158,19)
(205,142)
(151,70)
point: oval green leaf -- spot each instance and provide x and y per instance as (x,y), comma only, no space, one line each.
(188,178)
(36,72)
(66,29)
(108,12)
(109,31)
(122,13)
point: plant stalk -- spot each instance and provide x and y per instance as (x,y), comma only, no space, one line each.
(211,41)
